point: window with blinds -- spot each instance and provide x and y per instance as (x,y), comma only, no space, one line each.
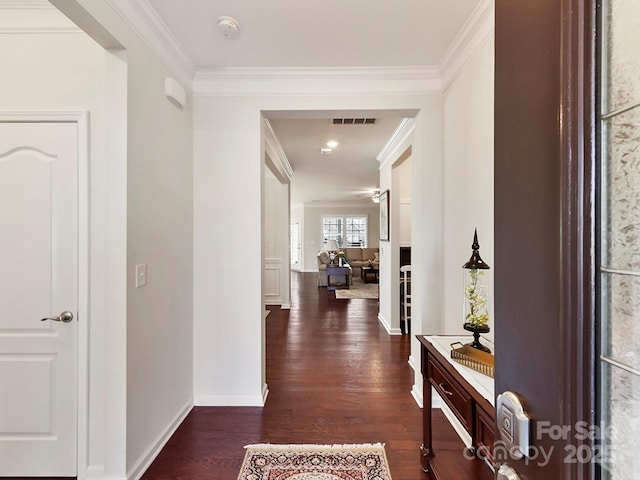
(347,231)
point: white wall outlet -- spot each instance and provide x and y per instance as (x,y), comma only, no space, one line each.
(141,275)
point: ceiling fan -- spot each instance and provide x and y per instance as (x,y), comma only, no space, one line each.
(372,194)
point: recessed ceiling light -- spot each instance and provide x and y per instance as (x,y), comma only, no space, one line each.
(332,144)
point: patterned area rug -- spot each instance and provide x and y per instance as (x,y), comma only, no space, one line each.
(359,289)
(315,462)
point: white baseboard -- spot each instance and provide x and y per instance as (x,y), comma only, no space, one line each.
(384,323)
(416,393)
(414,364)
(96,472)
(387,327)
(93,472)
(416,389)
(144,461)
(455,423)
(229,400)
(436,401)
(285,306)
(265,393)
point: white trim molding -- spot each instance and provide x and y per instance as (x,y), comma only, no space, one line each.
(273,280)
(81,119)
(143,19)
(317,81)
(387,326)
(276,153)
(478,27)
(397,143)
(33,17)
(25,4)
(232,400)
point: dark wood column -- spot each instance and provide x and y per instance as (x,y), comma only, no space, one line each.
(544,230)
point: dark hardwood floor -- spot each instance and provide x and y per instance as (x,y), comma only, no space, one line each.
(334,376)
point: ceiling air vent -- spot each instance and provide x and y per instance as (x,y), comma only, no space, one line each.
(353,121)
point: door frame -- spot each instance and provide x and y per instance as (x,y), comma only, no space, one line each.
(578,140)
(555,238)
(81,119)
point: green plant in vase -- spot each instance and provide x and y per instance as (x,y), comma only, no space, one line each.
(478,307)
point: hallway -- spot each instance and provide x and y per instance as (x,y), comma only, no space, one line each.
(334,376)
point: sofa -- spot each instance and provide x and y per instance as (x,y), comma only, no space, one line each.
(356,258)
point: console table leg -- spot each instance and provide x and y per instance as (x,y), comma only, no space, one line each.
(426,453)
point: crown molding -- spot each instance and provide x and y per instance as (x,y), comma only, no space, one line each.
(273,146)
(316,81)
(397,143)
(149,26)
(478,27)
(33,17)
(25,4)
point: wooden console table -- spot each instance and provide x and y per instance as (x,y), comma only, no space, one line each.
(470,396)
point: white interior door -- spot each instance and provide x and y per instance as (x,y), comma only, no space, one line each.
(38,279)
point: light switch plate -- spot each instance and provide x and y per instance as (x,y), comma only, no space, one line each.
(141,275)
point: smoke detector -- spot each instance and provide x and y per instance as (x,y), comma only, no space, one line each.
(228,26)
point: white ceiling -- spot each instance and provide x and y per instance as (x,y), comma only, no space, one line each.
(317,34)
(350,174)
(326,33)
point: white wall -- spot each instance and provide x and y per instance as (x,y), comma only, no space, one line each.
(468,177)
(276,241)
(228,305)
(144,361)
(228,163)
(160,234)
(313,228)
(443,226)
(422,140)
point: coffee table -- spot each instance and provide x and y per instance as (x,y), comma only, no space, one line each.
(369,274)
(338,271)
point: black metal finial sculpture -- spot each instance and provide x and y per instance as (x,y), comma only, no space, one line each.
(476,307)
(476,262)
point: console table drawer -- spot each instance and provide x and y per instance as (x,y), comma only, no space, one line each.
(452,392)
